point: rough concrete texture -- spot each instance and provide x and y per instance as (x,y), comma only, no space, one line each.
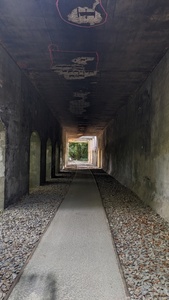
(75,258)
(2,164)
(34,164)
(48,159)
(22,112)
(136,143)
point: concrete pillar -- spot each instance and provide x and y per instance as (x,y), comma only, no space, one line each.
(90,151)
(53,161)
(48,160)
(57,159)
(98,158)
(61,157)
(67,152)
(93,151)
(2,164)
(43,163)
(34,166)
(63,150)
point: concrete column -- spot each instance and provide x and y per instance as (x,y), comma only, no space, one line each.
(53,161)
(63,149)
(43,163)
(93,151)
(57,159)
(48,159)
(90,152)
(34,166)
(98,158)
(61,157)
(2,164)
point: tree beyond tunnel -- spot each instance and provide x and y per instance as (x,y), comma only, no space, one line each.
(78,151)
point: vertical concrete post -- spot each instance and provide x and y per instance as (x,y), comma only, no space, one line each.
(99,162)
(53,160)
(64,148)
(89,152)
(43,163)
(100,147)
(61,157)
(93,150)
(57,159)
(2,164)
(34,165)
(101,158)
(67,152)
(98,158)
(48,159)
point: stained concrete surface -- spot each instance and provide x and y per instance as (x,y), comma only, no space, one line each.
(75,258)
(136,147)
(2,164)
(22,111)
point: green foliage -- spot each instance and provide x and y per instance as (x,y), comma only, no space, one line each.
(78,151)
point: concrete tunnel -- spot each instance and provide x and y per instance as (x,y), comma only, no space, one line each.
(97,72)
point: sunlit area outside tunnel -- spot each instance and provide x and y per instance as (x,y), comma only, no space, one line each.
(83,152)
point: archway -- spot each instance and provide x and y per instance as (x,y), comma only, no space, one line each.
(34,166)
(2,164)
(48,159)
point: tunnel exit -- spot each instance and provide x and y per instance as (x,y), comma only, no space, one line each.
(82,152)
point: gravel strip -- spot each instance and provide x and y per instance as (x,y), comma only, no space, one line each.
(22,225)
(141,238)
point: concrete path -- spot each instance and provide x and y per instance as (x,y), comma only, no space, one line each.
(75,259)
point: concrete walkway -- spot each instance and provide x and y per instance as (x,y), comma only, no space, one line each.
(75,259)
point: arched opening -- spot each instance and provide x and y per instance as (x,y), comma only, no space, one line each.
(2,164)
(34,167)
(48,159)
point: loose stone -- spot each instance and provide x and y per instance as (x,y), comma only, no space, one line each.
(23,224)
(141,238)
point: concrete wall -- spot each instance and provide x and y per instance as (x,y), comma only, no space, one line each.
(136,142)
(22,111)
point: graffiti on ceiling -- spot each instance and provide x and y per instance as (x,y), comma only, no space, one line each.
(79,104)
(73,65)
(84,13)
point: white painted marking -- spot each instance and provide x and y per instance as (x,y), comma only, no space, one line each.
(85,15)
(73,72)
(82,60)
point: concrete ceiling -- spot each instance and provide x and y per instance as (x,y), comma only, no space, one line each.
(86,57)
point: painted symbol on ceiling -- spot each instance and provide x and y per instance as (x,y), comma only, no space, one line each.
(79,104)
(73,65)
(83,13)
(22,64)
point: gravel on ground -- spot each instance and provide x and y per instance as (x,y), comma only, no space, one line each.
(23,223)
(141,238)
